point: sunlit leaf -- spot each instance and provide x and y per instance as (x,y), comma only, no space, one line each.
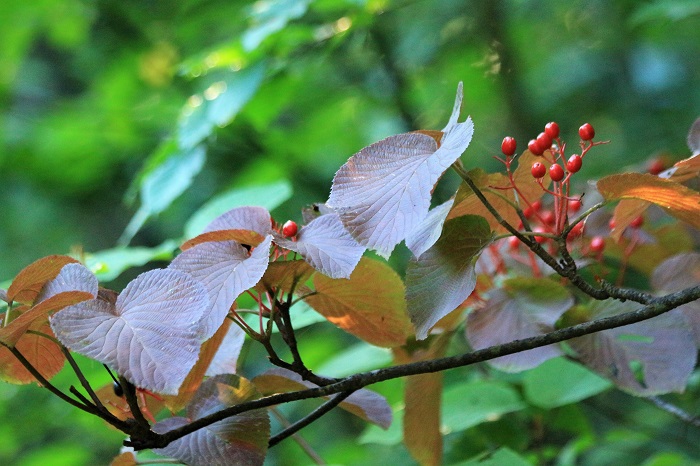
(270,17)
(428,232)
(226,269)
(647,358)
(26,285)
(443,277)
(151,335)
(110,263)
(326,246)
(240,439)
(268,196)
(677,200)
(226,357)
(559,382)
(522,308)
(383,192)
(676,273)
(363,403)
(370,305)
(41,352)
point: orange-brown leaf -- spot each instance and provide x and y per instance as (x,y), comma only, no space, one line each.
(282,275)
(369,305)
(125,459)
(248,237)
(29,281)
(677,200)
(41,352)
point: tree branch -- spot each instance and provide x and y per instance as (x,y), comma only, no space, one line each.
(656,307)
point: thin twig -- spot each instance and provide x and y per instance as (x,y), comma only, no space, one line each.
(83,380)
(303,444)
(675,411)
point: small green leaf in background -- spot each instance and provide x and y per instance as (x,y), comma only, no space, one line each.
(110,263)
(469,404)
(558,382)
(501,457)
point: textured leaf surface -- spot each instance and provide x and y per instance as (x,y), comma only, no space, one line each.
(676,273)
(523,308)
(240,440)
(326,246)
(428,232)
(243,218)
(559,382)
(150,336)
(30,280)
(370,305)
(443,277)
(226,269)
(677,200)
(647,358)
(363,403)
(383,192)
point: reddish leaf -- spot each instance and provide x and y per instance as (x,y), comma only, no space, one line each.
(119,407)
(443,277)
(283,275)
(41,352)
(363,403)
(240,439)
(383,192)
(227,269)
(27,284)
(151,335)
(124,459)
(683,170)
(524,307)
(370,305)
(326,246)
(676,199)
(247,237)
(648,358)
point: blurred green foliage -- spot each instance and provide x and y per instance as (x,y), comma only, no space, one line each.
(120,119)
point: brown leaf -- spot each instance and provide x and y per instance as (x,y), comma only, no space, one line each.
(247,237)
(41,352)
(29,281)
(125,459)
(282,275)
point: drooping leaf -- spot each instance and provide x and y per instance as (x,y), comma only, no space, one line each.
(443,277)
(522,308)
(240,439)
(151,335)
(370,305)
(428,232)
(383,192)
(41,352)
(110,263)
(559,382)
(268,196)
(29,281)
(677,200)
(243,218)
(694,137)
(363,403)
(676,273)
(73,284)
(469,404)
(226,269)
(326,246)
(647,358)
(226,357)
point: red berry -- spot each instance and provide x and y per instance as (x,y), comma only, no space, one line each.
(656,166)
(289,228)
(611,223)
(536,206)
(552,129)
(597,244)
(534,147)
(540,239)
(586,132)
(544,140)
(513,243)
(637,222)
(576,231)
(538,170)
(574,163)
(574,205)
(547,217)
(508,145)
(556,172)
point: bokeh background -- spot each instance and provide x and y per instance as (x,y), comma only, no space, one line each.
(121,119)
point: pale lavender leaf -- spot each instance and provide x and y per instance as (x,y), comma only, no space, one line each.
(694,137)
(652,357)
(441,279)
(3,296)
(326,246)
(226,356)
(383,192)
(72,277)
(523,308)
(427,233)
(227,269)
(241,439)
(150,336)
(243,218)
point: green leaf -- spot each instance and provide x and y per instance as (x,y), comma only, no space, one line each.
(501,457)
(360,357)
(469,404)
(110,263)
(268,196)
(558,382)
